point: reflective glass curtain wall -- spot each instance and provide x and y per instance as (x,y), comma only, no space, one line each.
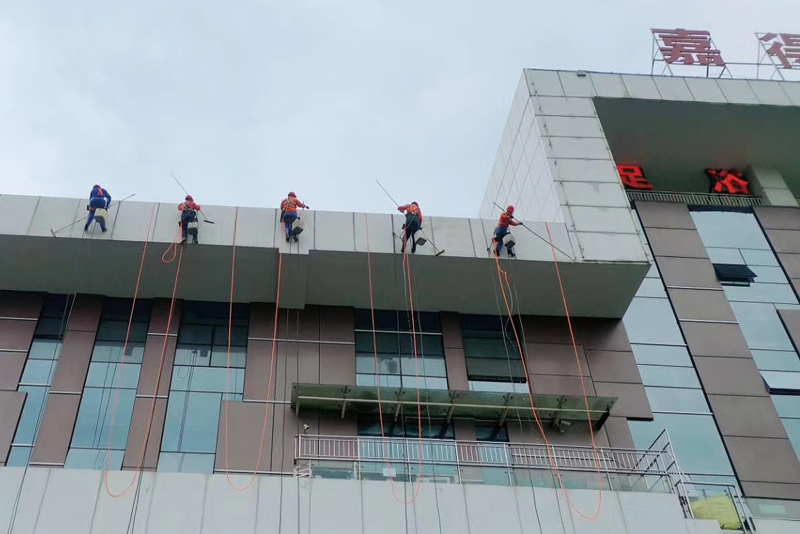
(198,386)
(673,388)
(492,356)
(736,237)
(110,387)
(38,374)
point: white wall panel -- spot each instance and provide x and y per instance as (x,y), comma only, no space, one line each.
(575,85)
(10,481)
(652,512)
(270,500)
(673,88)
(335,231)
(611,220)
(16,213)
(595,194)
(132,219)
(112,513)
(30,500)
(255,227)
(380,232)
(573,127)
(72,494)
(571,147)
(55,213)
(586,170)
(705,90)
(770,93)
(492,509)
(569,107)
(227,509)
(611,247)
(177,506)
(336,506)
(384,510)
(737,91)
(641,87)
(584,504)
(545,82)
(608,85)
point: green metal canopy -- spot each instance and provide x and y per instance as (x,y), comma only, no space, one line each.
(447,404)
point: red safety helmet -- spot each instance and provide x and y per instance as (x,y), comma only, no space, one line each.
(510,210)
(415,203)
(292,195)
(189,198)
(97,186)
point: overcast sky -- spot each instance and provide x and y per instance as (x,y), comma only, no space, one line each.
(247,100)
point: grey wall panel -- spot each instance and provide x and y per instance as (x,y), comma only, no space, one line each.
(33,484)
(169,515)
(704,305)
(665,215)
(337,364)
(619,433)
(632,400)
(112,513)
(730,376)
(764,459)
(561,385)
(239,511)
(160,316)
(85,314)
(337,324)
(69,501)
(785,241)
(556,359)
(651,512)
(746,416)
(16,334)
(715,339)
(73,362)
(769,490)
(16,213)
(456,366)
(159,355)
(676,243)
(11,366)
(687,272)
(21,304)
(381,510)
(262,322)
(276,427)
(332,425)
(486,514)
(613,366)
(778,218)
(11,403)
(142,408)
(55,433)
(330,498)
(464,429)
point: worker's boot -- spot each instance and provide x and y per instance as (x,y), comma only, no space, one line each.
(511,253)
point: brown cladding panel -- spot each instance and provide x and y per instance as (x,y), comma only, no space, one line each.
(141,414)
(791,320)
(766,490)
(11,403)
(556,359)
(561,385)
(257,371)
(730,376)
(764,459)
(701,305)
(285,370)
(85,314)
(55,433)
(791,263)
(778,218)
(275,443)
(456,365)
(676,243)
(687,272)
(619,433)
(613,366)
(21,304)
(631,402)
(715,339)
(787,241)
(154,349)
(337,364)
(245,423)
(602,334)
(665,215)
(16,334)
(746,416)
(333,425)
(160,317)
(11,366)
(451,330)
(308,363)
(73,362)
(546,329)
(337,324)
(308,324)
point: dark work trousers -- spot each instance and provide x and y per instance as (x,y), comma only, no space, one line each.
(499,233)
(188,216)
(288,220)
(95,204)
(411,228)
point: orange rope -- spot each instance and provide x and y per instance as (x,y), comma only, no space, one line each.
(158,379)
(503,276)
(271,366)
(124,350)
(378,384)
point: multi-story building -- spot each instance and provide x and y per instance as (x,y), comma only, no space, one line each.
(633,370)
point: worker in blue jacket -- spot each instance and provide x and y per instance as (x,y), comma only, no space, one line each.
(98,199)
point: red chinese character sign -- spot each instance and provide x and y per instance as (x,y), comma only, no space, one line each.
(728,182)
(783,48)
(688,47)
(633,177)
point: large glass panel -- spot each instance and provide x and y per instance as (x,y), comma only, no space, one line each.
(651,287)
(44,349)
(677,400)
(781,381)
(172,462)
(110,375)
(95,415)
(652,321)
(211,379)
(659,375)
(19,456)
(238,357)
(392,381)
(662,355)
(695,439)
(502,387)
(793,430)
(788,406)
(755,292)
(423,366)
(38,372)
(94,459)
(760,257)
(771,275)
(776,360)
(28,426)
(730,229)
(192,420)
(761,326)
(111,351)
(725,255)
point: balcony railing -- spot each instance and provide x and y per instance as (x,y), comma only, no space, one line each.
(644,468)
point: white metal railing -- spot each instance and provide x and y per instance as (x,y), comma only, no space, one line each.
(482,454)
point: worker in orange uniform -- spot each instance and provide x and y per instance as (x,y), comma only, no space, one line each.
(289,214)
(188,209)
(506,219)
(412,225)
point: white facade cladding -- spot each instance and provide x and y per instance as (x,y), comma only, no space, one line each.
(327,267)
(65,501)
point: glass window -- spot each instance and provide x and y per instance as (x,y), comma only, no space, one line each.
(491,433)
(731,256)
(209,379)
(96,459)
(776,360)
(111,351)
(494,369)
(19,456)
(502,387)
(483,347)
(44,349)
(652,321)
(388,364)
(662,355)
(760,257)
(238,357)
(757,292)
(695,439)
(191,423)
(93,425)
(659,375)
(118,330)
(38,372)
(677,400)
(390,381)
(109,375)
(769,275)
(788,406)
(651,287)
(761,326)
(171,462)
(780,381)
(424,382)
(32,410)
(731,229)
